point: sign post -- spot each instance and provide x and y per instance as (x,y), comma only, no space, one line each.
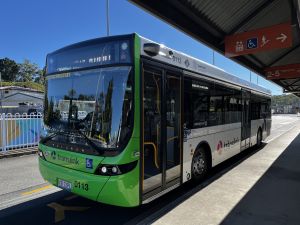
(264,39)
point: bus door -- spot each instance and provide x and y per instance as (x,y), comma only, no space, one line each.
(161,154)
(246,120)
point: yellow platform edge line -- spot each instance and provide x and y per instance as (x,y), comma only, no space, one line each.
(37,190)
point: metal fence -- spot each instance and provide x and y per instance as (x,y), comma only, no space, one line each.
(19,130)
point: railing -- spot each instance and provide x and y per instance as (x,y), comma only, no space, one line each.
(19,130)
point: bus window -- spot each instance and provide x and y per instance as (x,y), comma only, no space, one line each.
(231,106)
(196,102)
(187,104)
(255,107)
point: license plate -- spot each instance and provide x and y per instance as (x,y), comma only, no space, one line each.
(64,185)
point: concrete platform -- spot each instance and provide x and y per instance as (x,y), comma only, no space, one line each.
(18,152)
(264,189)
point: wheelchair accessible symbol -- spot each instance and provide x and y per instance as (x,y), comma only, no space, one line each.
(252,43)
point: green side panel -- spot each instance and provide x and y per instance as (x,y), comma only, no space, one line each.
(71,160)
(137,94)
(132,150)
(129,154)
(53,173)
(122,190)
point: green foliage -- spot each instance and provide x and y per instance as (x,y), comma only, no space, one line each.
(283,100)
(28,84)
(40,78)
(22,72)
(28,71)
(9,69)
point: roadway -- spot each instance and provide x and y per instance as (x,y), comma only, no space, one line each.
(25,198)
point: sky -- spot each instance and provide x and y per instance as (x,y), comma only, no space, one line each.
(31,29)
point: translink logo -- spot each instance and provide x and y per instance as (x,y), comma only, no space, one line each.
(53,155)
(59,157)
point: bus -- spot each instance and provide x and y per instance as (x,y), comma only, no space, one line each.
(127,120)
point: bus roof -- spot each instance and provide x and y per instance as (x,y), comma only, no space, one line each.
(190,63)
(178,59)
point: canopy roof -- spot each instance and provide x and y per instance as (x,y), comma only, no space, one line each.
(210,21)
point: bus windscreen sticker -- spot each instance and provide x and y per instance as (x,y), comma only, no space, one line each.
(89,163)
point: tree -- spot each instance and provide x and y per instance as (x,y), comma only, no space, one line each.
(72,93)
(28,71)
(9,69)
(40,77)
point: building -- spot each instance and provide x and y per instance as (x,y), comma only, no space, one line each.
(14,99)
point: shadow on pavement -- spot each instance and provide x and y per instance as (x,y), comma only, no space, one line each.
(64,208)
(275,198)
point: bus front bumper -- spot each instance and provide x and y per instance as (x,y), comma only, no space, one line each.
(120,190)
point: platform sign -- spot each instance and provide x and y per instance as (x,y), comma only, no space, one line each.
(283,72)
(264,39)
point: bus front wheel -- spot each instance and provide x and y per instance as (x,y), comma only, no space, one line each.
(199,165)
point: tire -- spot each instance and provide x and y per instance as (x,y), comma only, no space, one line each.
(259,138)
(199,165)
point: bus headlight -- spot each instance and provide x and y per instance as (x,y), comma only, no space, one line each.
(41,154)
(104,169)
(113,170)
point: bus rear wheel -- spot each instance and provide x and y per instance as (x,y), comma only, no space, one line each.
(259,138)
(199,165)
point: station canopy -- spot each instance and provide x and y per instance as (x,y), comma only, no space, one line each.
(214,22)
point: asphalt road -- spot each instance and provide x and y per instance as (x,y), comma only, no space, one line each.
(25,198)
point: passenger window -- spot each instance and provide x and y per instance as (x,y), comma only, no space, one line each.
(215,111)
(196,103)
(255,107)
(231,107)
(187,104)
(200,103)
(210,104)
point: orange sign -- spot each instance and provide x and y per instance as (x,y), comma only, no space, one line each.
(278,36)
(283,72)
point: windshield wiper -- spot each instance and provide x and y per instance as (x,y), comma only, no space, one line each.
(91,143)
(54,132)
(69,133)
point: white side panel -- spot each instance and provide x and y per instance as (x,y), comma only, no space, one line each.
(190,63)
(223,140)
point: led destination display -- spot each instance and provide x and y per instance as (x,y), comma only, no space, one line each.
(89,55)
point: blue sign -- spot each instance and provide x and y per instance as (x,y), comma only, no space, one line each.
(89,163)
(252,43)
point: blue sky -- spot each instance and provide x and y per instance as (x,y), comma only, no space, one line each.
(31,29)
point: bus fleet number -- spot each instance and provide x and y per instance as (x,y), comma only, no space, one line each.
(81,185)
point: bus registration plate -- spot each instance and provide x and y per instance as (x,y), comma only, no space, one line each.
(64,185)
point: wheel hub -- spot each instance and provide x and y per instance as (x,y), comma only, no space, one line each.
(198,164)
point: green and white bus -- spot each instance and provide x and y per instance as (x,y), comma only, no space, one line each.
(128,120)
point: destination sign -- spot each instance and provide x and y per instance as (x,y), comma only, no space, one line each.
(98,54)
(283,72)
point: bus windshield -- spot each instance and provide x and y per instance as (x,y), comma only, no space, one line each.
(96,103)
